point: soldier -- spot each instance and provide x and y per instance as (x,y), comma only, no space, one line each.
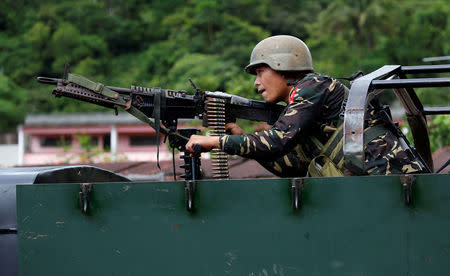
(307,138)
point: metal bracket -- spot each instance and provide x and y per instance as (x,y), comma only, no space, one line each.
(8,231)
(189,191)
(407,182)
(84,195)
(296,192)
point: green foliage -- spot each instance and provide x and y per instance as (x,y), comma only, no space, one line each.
(38,35)
(439,131)
(426,33)
(89,148)
(242,85)
(163,43)
(434,96)
(209,72)
(12,102)
(67,36)
(346,34)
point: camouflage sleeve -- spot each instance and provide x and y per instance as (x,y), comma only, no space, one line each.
(289,165)
(305,104)
(385,156)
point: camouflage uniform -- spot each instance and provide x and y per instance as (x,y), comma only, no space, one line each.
(313,111)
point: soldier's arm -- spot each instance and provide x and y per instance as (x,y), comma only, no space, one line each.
(234,129)
(286,132)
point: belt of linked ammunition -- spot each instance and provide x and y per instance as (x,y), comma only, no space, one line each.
(215,111)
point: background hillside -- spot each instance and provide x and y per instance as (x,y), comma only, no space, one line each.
(162,43)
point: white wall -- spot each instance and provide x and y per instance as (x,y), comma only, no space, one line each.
(9,155)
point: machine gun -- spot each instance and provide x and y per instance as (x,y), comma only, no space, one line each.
(162,108)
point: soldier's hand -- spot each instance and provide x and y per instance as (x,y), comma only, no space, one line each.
(234,129)
(207,142)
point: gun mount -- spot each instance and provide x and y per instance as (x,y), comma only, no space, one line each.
(394,77)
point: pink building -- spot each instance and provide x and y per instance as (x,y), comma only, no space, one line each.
(87,137)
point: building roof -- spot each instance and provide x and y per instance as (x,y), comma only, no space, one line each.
(106,118)
(92,118)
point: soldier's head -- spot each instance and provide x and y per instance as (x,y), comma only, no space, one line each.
(274,61)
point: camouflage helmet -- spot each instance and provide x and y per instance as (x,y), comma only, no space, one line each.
(281,53)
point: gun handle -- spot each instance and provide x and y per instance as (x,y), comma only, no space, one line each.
(198,148)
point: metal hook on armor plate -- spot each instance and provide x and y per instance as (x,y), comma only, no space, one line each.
(189,191)
(84,195)
(407,182)
(296,192)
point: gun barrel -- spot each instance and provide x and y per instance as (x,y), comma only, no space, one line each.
(120,90)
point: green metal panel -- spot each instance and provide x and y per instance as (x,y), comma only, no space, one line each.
(346,226)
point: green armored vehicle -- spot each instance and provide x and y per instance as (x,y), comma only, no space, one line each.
(92,222)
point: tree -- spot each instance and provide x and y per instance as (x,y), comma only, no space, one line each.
(209,72)
(12,101)
(348,31)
